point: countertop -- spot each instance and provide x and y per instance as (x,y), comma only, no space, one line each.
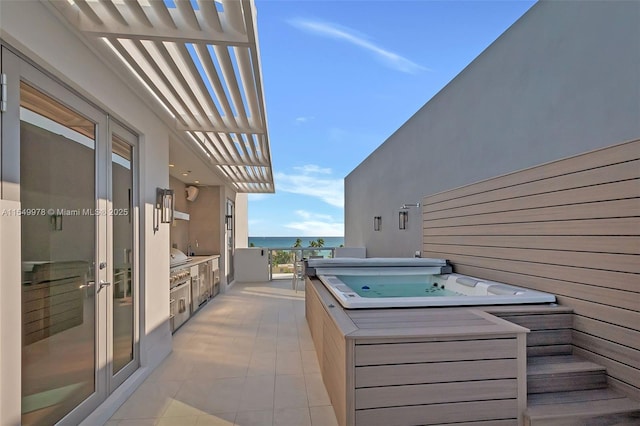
(195,260)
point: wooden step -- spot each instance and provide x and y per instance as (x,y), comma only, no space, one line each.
(541,321)
(550,308)
(560,373)
(542,343)
(549,350)
(550,328)
(579,408)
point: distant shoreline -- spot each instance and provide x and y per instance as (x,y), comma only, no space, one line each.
(294,238)
(282,242)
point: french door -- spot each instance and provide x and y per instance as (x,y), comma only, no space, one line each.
(73,170)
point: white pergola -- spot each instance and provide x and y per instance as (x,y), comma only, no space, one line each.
(200,60)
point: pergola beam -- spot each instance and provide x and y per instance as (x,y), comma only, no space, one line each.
(202,64)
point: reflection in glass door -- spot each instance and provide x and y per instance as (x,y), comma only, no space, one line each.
(123,216)
(58,198)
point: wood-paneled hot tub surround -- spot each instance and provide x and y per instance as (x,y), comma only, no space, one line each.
(418,366)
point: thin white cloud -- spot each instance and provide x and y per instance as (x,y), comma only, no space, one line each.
(312,228)
(315,216)
(313,181)
(301,120)
(316,224)
(309,169)
(348,35)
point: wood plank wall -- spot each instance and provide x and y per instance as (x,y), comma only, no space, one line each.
(571,228)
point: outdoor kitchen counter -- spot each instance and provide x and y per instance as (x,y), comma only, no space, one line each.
(195,260)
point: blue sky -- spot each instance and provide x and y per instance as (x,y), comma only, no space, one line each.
(339,78)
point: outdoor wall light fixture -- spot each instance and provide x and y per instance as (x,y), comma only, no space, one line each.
(403,219)
(403,214)
(407,205)
(228,219)
(163,208)
(55,220)
(377,223)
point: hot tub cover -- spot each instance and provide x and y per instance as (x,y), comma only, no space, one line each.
(345,262)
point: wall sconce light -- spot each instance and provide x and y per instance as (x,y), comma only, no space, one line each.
(55,220)
(407,205)
(377,223)
(163,208)
(228,219)
(403,219)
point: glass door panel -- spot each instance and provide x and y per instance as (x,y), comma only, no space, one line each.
(230,238)
(58,196)
(123,224)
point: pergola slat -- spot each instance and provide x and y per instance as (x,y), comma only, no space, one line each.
(145,77)
(214,79)
(163,14)
(185,9)
(210,14)
(113,11)
(138,12)
(224,59)
(248,83)
(202,65)
(233,12)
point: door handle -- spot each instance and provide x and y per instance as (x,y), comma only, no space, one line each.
(103,284)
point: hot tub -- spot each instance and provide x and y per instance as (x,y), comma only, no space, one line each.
(395,283)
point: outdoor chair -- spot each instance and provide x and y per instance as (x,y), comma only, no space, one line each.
(298,274)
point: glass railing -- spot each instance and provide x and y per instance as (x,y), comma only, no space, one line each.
(282,259)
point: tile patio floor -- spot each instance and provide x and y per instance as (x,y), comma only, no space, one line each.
(245,359)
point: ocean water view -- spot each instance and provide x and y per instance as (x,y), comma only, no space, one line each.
(285,242)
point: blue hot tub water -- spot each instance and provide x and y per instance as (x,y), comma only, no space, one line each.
(394,286)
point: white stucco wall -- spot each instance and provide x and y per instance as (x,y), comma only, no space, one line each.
(30,28)
(11,347)
(251,265)
(242,220)
(564,79)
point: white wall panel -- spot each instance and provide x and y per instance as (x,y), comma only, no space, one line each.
(563,80)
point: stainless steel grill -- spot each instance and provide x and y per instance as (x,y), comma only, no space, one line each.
(180,296)
(178,277)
